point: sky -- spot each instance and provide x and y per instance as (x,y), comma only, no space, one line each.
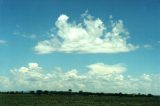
(98,46)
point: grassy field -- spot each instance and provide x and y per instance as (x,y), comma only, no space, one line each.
(75,100)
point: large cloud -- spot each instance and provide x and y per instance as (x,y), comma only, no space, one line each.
(98,77)
(90,36)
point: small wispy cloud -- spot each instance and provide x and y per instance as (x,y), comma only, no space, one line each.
(2,42)
(25,35)
(148,46)
(110,17)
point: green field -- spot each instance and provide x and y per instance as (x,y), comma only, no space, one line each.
(75,100)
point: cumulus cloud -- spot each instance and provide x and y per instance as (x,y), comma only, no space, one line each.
(89,36)
(5,83)
(146,77)
(98,77)
(100,68)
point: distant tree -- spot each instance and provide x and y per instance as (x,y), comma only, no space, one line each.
(80,92)
(11,92)
(31,92)
(149,95)
(39,92)
(69,90)
(120,94)
(102,94)
(21,92)
(139,94)
(52,92)
(45,92)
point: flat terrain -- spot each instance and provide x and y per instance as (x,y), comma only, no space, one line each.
(75,100)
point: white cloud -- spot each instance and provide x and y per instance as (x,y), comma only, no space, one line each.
(5,83)
(33,66)
(100,68)
(146,77)
(2,42)
(47,46)
(98,77)
(90,36)
(23,70)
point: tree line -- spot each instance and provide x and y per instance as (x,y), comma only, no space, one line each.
(69,92)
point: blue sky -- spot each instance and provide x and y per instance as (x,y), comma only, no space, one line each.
(64,34)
